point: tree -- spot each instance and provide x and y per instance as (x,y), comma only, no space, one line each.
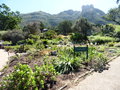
(32,28)
(65,27)
(42,26)
(82,26)
(114,15)
(8,18)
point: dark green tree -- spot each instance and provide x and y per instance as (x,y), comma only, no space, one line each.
(65,27)
(8,18)
(42,26)
(114,15)
(32,28)
(82,26)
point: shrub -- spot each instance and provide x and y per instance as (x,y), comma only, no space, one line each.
(34,37)
(12,48)
(24,78)
(7,42)
(21,79)
(45,74)
(13,36)
(111,44)
(100,62)
(77,37)
(29,41)
(32,28)
(66,63)
(50,34)
(101,39)
(117,33)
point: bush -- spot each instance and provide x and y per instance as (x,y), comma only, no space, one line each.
(7,42)
(32,28)
(77,37)
(111,44)
(21,79)
(50,34)
(66,63)
(13,36)
(12,48)
(100,62)
(117,33)
(101,39)
(24,78)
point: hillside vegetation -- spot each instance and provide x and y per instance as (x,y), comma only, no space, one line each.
(93,15)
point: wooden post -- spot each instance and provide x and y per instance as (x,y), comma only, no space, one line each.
(87,53)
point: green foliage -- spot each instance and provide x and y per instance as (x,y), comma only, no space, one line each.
(7,42)
(29,41)
(111,44)
(13,36)
(82,26)
(100,61)
(44,74)
(8,18)
(66,63)
(24,78)
(78,37)
(65,27)
(13,48)
(101,39)
(50,34)
(113,15)
(34,37)
(21,79)
(32,28)
(117,31)
(108,30)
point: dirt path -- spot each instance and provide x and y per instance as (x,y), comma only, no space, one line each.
(107,80)
(4,57)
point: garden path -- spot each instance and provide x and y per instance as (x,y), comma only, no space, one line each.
(107,80)
(4,57)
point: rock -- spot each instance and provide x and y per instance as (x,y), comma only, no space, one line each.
(53,53)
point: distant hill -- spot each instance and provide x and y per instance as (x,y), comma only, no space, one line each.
(94,15)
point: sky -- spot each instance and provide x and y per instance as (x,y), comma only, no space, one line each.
(56,6)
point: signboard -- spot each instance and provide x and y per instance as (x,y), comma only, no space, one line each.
(81,49)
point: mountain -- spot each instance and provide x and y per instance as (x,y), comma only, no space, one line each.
(93,15)
(49,19)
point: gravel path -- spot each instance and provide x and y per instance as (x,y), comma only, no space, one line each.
(107,80)
(4,57)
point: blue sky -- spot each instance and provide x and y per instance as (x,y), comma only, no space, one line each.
(56,6)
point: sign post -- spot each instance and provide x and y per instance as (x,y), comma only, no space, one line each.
(81,49)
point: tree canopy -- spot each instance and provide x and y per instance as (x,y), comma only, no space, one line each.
(82,26)
(114,15)
(65,27)
(8,18)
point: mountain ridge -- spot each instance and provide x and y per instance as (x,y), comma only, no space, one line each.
(93,15)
